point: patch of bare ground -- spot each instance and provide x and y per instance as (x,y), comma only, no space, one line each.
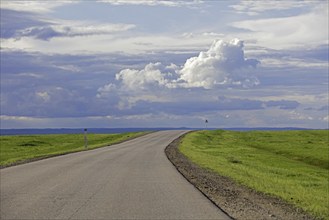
(238,201)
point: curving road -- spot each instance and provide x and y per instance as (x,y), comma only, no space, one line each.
(132,180)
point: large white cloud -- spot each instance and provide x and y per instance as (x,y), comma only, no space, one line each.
(139,85)
(151,75)
(224,63)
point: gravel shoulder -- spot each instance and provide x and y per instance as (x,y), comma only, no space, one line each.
(238,201)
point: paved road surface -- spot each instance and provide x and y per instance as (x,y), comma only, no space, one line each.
(132,180)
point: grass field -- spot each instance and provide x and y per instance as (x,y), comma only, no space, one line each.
(292,165)
(18,148)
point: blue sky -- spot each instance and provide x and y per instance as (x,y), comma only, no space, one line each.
(147,63)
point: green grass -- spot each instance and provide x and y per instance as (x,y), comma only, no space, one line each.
(18,148)
(291,165)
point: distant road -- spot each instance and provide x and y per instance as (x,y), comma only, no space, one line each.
(132,180)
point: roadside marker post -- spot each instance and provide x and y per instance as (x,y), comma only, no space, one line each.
(85,138)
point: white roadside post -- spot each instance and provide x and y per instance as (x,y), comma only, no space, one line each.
(85,137)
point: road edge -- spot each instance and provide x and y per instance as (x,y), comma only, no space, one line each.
(20,162)
(235,200)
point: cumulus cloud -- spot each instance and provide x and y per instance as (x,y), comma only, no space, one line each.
(223,64)
(141,79)
(105,90)
(138,85)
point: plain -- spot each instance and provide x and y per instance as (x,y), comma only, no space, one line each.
(22,148)
(291,165)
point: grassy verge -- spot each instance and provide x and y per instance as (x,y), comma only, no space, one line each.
(292,165)
(21,148)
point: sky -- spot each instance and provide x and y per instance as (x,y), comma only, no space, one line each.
(148,63)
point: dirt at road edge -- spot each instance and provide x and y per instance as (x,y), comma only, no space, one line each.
(238,201)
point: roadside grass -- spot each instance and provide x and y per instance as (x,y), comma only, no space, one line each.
(291,165)
(21,148)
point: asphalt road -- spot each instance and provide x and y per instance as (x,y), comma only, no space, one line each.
(132,180)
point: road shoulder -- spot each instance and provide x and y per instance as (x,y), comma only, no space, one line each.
(236,200)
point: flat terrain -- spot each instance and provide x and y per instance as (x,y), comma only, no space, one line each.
(291,165)
(131,180)
(23,148)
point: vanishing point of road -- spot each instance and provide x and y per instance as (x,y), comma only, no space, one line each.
(131,180)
